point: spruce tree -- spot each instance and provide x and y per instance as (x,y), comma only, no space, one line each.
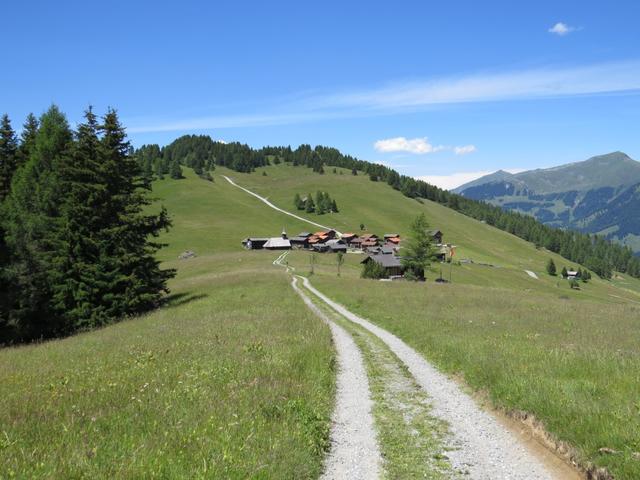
(8,151)
(551,267)
(418,249)
(309,206)
(334,206)
(8,165)
(128,266)
(79,294)
(320,203)
(158,168)
(27,139)
(174,170)
(34,228)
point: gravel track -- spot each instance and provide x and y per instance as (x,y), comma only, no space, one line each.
(483,448)
(264,200)
(354,453)
(532,274)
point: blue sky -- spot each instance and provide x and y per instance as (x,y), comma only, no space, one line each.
(441,90)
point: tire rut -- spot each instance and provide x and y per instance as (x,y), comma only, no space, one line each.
(354,453)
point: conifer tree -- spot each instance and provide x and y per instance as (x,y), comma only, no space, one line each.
(334,206)
(79,294)
(320,203)
(8,151)
(158,168)
(34,229)
(128,266)
(174,170)
(418,250)
(309,206)
(551,267)
(27,139)
(8,165)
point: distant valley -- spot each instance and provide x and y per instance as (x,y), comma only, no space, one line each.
(600,195)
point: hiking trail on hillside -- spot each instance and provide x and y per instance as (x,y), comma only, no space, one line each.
(480,446)
(267,202)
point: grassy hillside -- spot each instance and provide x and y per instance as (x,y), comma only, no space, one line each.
(384,210)
(567,357)
(234,378)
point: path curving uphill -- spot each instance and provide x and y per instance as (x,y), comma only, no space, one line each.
(267,202)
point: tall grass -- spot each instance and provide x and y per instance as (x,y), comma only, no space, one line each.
(573,364)
(234,379)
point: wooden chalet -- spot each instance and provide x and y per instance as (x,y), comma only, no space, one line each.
(334,245)
(348,237)
(278,243)
(254,243)
(436,236)
(391,264)
(356,242)
(301,240)
(327,234)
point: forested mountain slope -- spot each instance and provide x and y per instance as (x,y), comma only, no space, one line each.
(600,195)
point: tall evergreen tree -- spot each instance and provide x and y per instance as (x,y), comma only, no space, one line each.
(27,139)
(309,206)
(34,226)
(175,170)
(418,251)
(8,151)
(78,295)
(551,267)
(136,282)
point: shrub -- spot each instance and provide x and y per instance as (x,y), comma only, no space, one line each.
(373,270)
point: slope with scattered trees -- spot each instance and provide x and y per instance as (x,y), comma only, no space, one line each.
(598,254)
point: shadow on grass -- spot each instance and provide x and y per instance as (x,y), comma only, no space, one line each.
(179,299)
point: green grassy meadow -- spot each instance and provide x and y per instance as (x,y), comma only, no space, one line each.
(573,363)
(383,210)
(234,377)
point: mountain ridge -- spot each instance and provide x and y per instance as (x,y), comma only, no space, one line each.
(597,195)
(623,170)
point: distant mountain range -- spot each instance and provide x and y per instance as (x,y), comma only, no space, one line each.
(600,195)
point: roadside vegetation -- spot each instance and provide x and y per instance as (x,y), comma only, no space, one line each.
(232,379)
(572,364)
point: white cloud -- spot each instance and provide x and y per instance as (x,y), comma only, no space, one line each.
(550,82)
(561,29)
(453,180)
(402,144)
(464,149)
